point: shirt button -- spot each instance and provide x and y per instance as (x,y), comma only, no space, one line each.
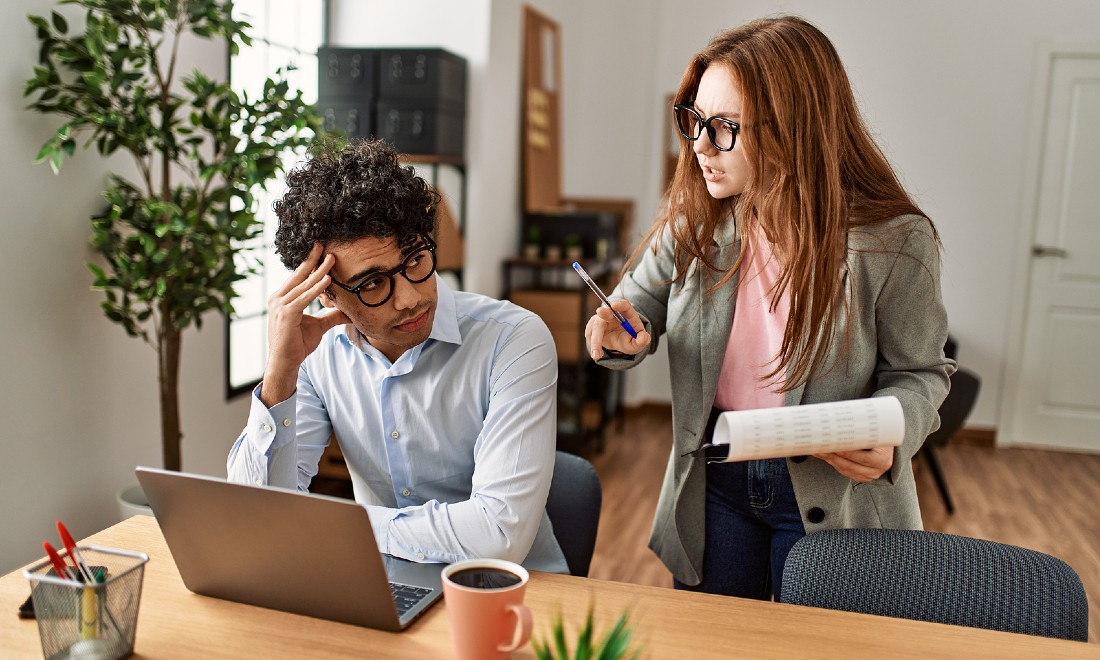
(406,492)
(286,422)
(259,482)
(420,556)
(267,428)
(395,435)
(816,515)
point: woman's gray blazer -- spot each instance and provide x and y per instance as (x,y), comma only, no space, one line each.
(897,327)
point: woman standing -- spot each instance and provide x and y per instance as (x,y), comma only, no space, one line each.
(788,267)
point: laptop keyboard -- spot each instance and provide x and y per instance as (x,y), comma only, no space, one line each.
(405,596)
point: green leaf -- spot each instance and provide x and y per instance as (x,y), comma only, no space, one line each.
(59,23)
(44,153)
(41,23)
(584,641)
(56,156)
(559,638)
(615,644)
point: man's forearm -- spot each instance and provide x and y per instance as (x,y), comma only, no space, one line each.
(278,385)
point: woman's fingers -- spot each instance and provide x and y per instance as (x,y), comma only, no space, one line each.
(605,331)
(862,465)
(593,334)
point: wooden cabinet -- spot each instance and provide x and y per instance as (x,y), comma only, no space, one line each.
(564,313)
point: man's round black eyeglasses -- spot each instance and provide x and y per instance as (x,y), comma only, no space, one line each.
(377,288)
(722,132)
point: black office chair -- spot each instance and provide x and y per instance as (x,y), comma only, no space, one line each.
(942,578)
(574,509)
(954,410)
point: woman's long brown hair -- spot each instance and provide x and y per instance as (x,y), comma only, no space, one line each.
(801,124)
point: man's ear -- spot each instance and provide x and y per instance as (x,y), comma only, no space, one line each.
(327,300)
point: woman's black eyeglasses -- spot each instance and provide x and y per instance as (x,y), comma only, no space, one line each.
(723,132)
(377,288)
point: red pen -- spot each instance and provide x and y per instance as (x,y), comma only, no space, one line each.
(74,554)
(55,559)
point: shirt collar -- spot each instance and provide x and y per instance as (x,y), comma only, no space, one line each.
(445,328)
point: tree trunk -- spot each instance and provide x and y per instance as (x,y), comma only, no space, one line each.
(168,353)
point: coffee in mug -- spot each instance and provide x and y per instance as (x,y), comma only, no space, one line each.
(485,577)
(484,600)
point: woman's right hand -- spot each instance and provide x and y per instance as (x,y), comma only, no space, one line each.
(604,331)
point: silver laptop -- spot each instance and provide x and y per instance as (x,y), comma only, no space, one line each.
(296,552)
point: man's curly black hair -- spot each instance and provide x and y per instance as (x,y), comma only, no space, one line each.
(347,192)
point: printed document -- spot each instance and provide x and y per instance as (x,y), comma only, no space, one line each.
(811,429)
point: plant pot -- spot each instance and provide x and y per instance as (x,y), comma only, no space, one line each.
(132,502)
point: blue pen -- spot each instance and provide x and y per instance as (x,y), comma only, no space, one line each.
(599,294)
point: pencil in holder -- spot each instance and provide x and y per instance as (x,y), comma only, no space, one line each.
(80,619)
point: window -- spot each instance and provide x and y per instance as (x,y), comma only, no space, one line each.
(283,34)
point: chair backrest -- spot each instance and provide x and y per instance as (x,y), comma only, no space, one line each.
(943,578)
(958,404)
(574,509)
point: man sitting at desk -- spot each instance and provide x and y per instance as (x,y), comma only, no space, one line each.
(443,401)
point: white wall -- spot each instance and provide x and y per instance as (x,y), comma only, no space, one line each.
(947,85)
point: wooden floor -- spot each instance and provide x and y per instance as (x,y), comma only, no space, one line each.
(1034,499)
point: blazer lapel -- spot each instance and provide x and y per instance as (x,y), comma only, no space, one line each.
(716,309)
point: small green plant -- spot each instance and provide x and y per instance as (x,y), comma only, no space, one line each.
(615,644)
(534,235)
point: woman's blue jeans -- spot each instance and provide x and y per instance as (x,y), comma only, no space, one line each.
(752,520)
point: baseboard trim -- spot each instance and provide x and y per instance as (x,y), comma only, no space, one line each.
(980,436)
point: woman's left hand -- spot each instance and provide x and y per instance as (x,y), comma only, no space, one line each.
(862,465)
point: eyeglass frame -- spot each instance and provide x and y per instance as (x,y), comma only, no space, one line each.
(424,243)
(704,123)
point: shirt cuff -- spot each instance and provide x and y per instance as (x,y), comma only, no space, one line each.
(271,434)
(380,518)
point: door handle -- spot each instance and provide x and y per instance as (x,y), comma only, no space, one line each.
(1048,251)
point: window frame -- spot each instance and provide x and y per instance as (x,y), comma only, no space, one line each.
(236,386)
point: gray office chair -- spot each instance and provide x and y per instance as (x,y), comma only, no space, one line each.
(574,509)
(943,578)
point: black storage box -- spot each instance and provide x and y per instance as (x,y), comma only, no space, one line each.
(421,128)
(347,73)
(352,117)
(423,74)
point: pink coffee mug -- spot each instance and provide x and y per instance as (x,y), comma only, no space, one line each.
(484,599)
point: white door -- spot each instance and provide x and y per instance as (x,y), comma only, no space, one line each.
(1056,399)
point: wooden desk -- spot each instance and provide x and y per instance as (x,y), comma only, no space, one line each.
(175,623)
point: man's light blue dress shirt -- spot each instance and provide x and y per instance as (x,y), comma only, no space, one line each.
(450,448)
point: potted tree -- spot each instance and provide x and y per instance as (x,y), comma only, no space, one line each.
(169,240)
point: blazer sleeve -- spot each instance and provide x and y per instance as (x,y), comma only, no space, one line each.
(911,326)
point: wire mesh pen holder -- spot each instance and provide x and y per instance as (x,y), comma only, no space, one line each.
(82,620)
